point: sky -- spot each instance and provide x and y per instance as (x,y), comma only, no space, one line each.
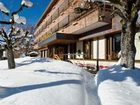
(32,14)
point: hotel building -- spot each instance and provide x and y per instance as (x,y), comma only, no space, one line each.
(81,32)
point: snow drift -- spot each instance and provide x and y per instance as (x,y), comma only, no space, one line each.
(119,86)
(38,81)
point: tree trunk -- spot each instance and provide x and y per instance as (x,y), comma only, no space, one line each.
(128,49)
(10,56)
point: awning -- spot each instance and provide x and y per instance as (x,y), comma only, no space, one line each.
(57,37)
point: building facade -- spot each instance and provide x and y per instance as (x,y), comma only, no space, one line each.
(81,32)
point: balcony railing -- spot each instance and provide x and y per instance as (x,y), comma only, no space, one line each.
(62,15)
(96,15)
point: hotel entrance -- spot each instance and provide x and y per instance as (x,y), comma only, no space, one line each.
(59,50)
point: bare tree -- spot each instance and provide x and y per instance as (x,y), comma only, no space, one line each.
(129,12)
(9,38)
(25,43)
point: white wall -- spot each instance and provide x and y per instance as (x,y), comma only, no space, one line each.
(137,43)
(79,46)
(101,49)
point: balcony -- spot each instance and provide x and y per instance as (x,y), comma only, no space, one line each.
(59,7)
(54,24)
(54,19)
(96,18)
(62,19)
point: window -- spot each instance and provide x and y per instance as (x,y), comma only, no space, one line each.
(117,40)
(87,49)
(113,46)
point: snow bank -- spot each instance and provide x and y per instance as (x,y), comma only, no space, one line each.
(38,81)
(118,86)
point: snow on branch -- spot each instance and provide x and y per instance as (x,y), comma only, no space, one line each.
(15,18)
(3,8)
(19,19)
(27,3)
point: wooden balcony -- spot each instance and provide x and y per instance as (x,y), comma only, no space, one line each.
(96,18)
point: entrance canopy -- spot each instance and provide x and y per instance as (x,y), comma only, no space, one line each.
(59,38)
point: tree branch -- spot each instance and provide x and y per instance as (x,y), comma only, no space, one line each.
(137,3)
(24,36)
(19,10)
(2,40)
(120,5)
(6,22)
(11,31)
(20,40)
(118,12)
(4,34)
(135,10)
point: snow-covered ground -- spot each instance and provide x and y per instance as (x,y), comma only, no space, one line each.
(37,81)
(118,86)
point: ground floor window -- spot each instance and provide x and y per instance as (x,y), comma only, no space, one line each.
(72,50)
(113,46)
(87,49)
(43,53)
(99,48)
(50,52)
